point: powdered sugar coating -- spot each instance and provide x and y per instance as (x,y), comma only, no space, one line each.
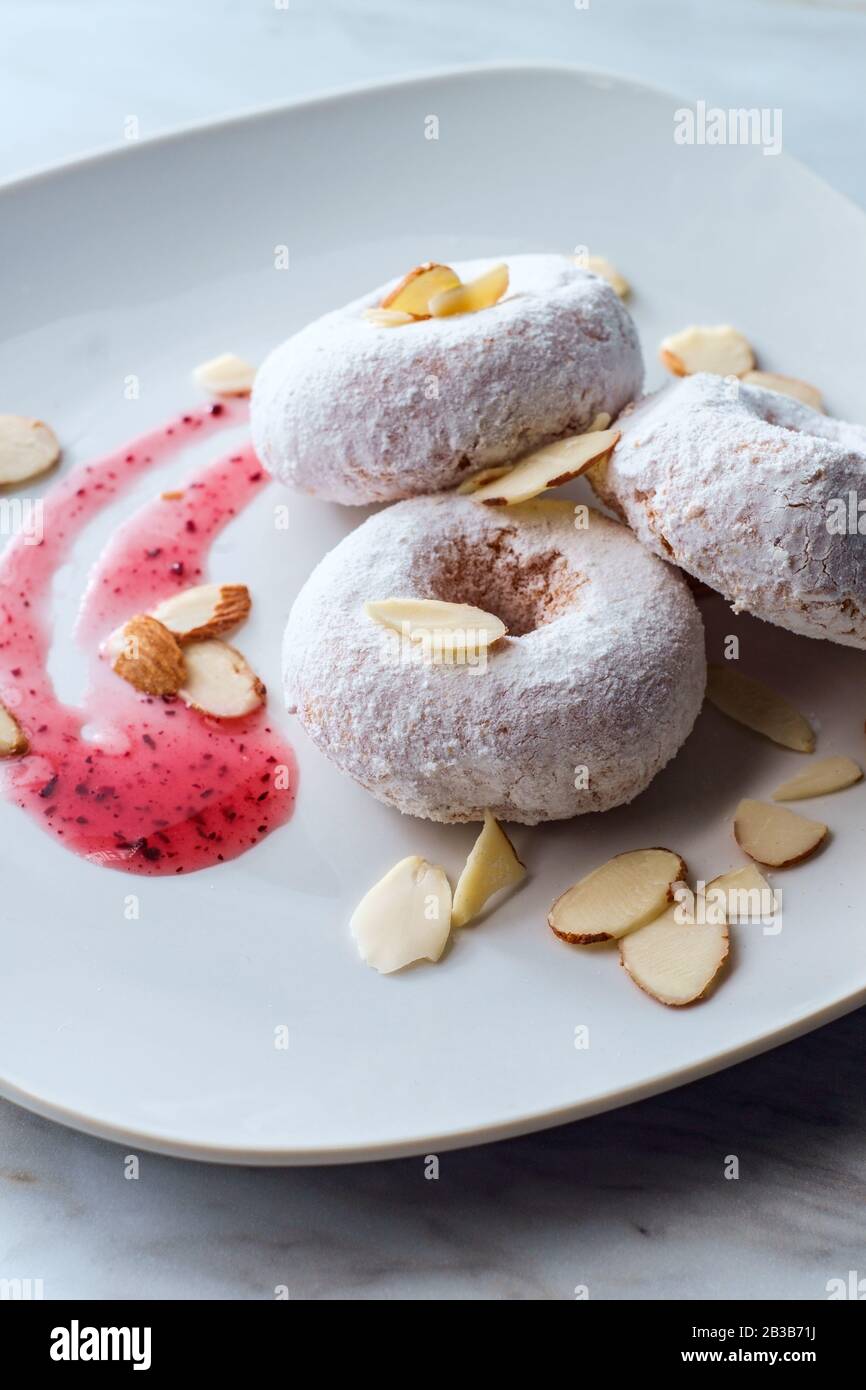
(610,678)
(356,414)
(737,484)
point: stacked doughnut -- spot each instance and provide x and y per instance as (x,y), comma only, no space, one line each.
(354,413)
(748,491)
(600,673)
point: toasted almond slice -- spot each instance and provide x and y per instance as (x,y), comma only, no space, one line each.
(819,779)
(227,375)
(492,865)
(787,386)
(13,740)
(219,681)
(618,897)
(722,350)
(486,475)
(405,917)
(457,625)
(774,835)
(415,290)
(388,318)
(599,265)
(27,448)
(546,468)
(748,896)
(204,611)
(675,962)
(148,656)
(477,294)
(754,704)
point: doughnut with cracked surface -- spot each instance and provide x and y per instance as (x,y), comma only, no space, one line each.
(354,413)
(602,668)
(743,488)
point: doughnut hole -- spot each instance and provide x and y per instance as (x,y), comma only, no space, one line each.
(525,592)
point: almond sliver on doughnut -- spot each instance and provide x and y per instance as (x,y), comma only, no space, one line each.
(456,625)
(545,468)
(754,704)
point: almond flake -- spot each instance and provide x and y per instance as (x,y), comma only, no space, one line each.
(27,448)
(673,961)
(618,897)
(819,779)
(227,375)
(219,681)
(148,656)
(774,835)
(492,865)
(482,293)
(455,626)
(405,917)
(13,740)
(599,265)
(754,704)
(787,386)
(722,350)
(548,467)
(413,294)
(204,611)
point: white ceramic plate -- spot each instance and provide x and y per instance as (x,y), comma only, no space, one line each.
(146,261)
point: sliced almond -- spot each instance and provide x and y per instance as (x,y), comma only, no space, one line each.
(722,350)
(414,292)
(454,626)
(618,897)
(545,468)
(819,779)
(485,475)
(405,917)
(601,422)
(775,836)
(204,611)
(599,265)
(748,896)
(219,681)
(227,375)
(477,294)
(148,656)
(754,704)
(13,740)
(787,386)
(27,448)
(388,318)
(675,962)
(492,865)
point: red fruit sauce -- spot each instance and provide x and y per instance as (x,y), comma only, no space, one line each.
(155,788)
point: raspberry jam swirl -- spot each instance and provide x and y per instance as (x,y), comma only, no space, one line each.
(126,780)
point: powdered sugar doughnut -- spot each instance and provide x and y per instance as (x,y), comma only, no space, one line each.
(603,667)
(748,490)
(355,413)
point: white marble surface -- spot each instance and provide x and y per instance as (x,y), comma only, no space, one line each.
(634,1204)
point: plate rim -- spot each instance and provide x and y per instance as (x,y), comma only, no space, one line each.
(171,1145)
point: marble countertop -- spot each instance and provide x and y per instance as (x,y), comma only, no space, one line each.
(633,1204)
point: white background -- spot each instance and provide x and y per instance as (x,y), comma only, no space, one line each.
(634,1205)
